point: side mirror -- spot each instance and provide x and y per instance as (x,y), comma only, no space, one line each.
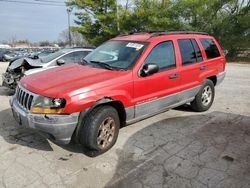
(35,57)
(60,62)
(149,69)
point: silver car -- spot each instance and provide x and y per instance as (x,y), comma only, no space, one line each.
(26,66)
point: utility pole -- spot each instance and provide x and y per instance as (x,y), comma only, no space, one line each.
(117,17)
(69,10)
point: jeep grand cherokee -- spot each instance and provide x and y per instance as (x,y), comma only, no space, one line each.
(126,79)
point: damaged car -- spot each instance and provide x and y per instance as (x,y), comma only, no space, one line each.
(26,66)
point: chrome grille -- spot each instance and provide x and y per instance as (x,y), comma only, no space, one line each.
(24,98)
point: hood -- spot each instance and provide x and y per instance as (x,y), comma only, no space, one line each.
(72,79)
(19,62)
(32,71)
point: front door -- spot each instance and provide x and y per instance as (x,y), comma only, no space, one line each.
(156,92)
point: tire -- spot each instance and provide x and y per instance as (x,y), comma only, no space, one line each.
(99,130)
(204,99)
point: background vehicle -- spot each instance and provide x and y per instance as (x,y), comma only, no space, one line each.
(40,54)
(89,102)
(12,54)
(33,54)
(26,66)
(4,53)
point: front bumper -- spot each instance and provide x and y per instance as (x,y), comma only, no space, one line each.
(58,128)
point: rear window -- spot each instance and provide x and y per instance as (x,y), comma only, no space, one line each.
(210,48)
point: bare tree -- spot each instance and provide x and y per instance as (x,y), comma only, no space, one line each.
(13,40)
(45,43)
(76,37)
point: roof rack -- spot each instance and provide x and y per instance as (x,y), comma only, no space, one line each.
(176,32)
(137,33)
(168,32)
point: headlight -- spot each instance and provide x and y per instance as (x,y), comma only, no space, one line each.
(45,105)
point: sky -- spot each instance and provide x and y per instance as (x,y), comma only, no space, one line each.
(31,21)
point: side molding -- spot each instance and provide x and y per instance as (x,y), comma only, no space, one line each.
(157,106)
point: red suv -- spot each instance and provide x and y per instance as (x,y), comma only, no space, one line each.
(126,79)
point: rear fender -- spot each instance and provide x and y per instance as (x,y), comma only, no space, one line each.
(209,73)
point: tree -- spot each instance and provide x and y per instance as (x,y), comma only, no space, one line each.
(77,39)
(12,41)
(149,15)
(234,31)
(44,43)
(100,20)
(227,20)
(96,19)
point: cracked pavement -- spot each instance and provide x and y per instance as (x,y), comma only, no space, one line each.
(178,148)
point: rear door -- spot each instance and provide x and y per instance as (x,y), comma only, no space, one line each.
(191,67)
(158,91)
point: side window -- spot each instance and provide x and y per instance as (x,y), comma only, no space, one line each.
(163,55)
(210,48)
(188,55)
(78,56)
(69,58)
(74,57)
(197,50)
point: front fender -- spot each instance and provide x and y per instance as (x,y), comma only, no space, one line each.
(80,102)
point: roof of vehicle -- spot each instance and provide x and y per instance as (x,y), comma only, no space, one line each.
(65,50)
(148,36)
(79,47)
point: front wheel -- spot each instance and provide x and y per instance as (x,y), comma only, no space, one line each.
(99,130)
(204,99)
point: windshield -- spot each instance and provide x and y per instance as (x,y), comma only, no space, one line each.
(51,56)
(117,54)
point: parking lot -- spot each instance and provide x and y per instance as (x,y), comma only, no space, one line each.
(178,148)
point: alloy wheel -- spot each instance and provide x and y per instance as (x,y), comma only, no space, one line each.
(106,133)
(206,96)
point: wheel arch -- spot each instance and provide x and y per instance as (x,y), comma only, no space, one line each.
(213,79)
(118,105)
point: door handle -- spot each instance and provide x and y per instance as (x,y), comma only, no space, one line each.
(203,67)
(172,76)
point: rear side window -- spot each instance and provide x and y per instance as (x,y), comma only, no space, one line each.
(210,48)
(163,55)
(197,51)
(190,51)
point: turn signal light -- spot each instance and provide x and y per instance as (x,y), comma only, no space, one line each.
(38,110)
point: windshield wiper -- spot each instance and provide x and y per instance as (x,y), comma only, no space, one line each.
(104,65)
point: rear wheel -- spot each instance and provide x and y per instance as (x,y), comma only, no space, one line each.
(204,99)
(99,130)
